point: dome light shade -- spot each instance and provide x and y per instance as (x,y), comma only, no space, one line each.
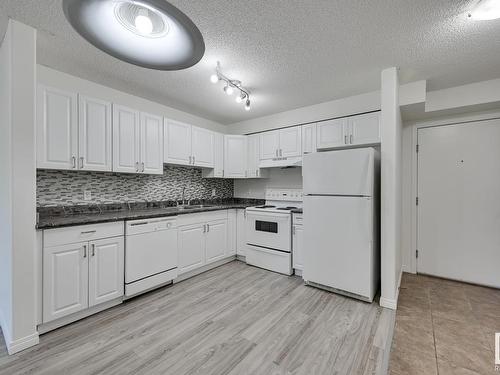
(486,10)
(149,33)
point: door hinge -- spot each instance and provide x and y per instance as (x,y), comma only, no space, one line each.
(416,201)
(416,254)
(418,148)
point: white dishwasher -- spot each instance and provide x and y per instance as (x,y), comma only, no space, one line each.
(150,254)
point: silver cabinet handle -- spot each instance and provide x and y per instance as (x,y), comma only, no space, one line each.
(88,232)
(93,250)
(143,167)
(85,251)
(194,160)
(350,139)
(81,162)
(281,152)
(137,166)
(141,223)
(73,162)
(208,227)
(345,139)
(204,228)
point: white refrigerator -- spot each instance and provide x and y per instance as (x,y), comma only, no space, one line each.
(341,221)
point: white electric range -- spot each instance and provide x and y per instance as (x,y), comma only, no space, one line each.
(269,230)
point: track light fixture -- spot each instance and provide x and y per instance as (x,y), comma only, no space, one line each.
(231,85)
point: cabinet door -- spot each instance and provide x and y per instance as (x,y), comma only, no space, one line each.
(269,145)
(216,240)
(94,128)
(235,156)
(290,142)
(191,245)
(57,128)
(308,138)
(177,143)
(151,144)
(106,270)
(332,133)
(65,280)
(365,129)
(202,141)
(125,140)
(219,155)
(253,156)
(241,240)
(298,247)
(231,232)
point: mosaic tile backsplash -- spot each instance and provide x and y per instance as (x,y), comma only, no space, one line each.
(62,188)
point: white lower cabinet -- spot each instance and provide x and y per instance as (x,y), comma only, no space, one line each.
(191,245)
(83,274)
(216,240)
(241,241)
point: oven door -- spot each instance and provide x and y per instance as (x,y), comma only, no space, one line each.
(269,229)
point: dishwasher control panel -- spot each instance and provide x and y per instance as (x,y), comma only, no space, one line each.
(149,225)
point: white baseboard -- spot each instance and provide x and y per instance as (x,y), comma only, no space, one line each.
(392,303)
(202,269)
(22,343)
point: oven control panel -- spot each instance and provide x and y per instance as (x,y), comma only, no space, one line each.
(292,195)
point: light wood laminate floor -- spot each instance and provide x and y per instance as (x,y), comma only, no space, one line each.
(235,319)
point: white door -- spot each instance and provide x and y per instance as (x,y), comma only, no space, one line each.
(269,145)
(203,142)
(106,270)
(458,208)
(151,144)
(177,143)
(65,280)
(298,247)
(365,129)
(126,134)
(235,156)
(94,127)
(57,128)
(290,142)
(191,242)
(241,240)
(308,138)
(332,133)
(216,240)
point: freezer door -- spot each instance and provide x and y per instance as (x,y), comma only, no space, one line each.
(343,172)
(339,249)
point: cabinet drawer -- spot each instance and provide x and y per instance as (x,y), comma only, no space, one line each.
(202,217)
(81,233)
(297,219)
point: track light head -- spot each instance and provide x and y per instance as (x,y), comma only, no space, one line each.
(214,78)
(228,89)
(247,105)
(240,97)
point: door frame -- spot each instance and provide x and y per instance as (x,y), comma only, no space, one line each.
(416,125)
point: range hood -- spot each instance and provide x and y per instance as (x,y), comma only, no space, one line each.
(281,162)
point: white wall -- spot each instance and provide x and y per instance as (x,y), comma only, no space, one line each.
(278,178)
(391,158)
(18,191)
(68,82)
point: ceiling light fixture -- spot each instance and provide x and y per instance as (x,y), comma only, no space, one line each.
(231,85)
(150,33)
(486,10)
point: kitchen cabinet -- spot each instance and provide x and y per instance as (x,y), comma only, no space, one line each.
(151,144)
(298,243)
(241,241)
(218,170)
(253,170)
(57,128)
(308,139)
(191,245)
(137,141)
(188,145)
(94,134)
(231,231)
(216,240)
(350,131)
(83,266)
(281,143)
(235,156)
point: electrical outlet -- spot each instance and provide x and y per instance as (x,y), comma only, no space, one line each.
(214,192)
(87,195)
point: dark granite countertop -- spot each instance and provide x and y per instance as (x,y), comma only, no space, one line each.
(64,216)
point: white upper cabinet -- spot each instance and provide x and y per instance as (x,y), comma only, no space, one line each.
(235,156)
(290,142)
(94,125)
(125,140)
(365,129)
(269,145)
(254,157)
(308,138)
(203,143)
(57,128)
(218,169)
(151,144)
(177,143)
(332,133)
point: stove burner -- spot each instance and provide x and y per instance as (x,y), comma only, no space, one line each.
(266,206)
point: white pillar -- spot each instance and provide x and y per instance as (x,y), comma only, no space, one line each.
(391,141)
(18,187)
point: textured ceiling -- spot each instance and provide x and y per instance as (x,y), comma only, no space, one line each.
(289,53)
